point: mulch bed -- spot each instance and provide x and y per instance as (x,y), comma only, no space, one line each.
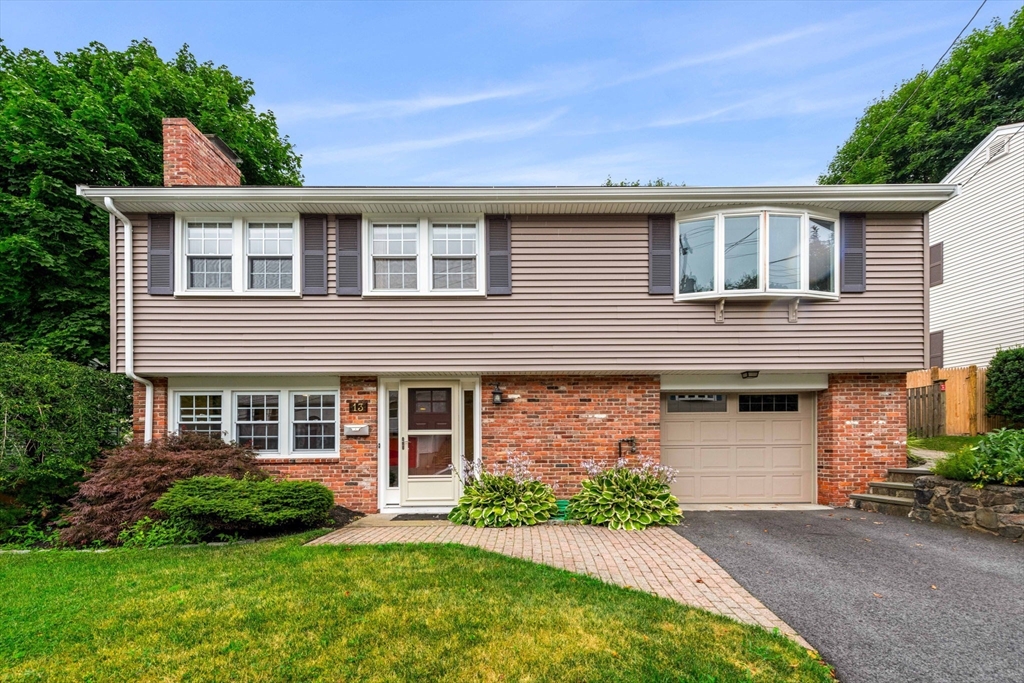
(342,516)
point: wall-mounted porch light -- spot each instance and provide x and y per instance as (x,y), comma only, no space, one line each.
(496,395)
(749,374)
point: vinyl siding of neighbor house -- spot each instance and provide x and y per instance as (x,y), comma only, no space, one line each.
(979,307)
(579,303)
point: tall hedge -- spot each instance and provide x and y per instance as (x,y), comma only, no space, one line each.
(56,418)
(1004,386)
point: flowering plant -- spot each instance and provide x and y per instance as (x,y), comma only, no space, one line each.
(508,495)
(625,496)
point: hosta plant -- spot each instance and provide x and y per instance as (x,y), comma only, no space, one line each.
(507,496)
(624,497)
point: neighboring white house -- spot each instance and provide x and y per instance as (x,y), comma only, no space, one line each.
(977,255)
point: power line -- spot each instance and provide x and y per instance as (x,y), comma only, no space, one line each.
(913,94)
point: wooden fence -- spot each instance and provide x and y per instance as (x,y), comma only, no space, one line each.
(949,399)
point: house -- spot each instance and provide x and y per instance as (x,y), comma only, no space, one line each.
(977,255)
(755,338)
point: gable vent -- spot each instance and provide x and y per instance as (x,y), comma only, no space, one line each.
(998,146)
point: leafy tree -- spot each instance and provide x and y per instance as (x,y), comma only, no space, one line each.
(94,117)
(979,87)
(55,418)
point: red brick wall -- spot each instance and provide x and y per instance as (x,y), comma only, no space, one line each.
(862,431)
(191,159)
(353,476)
(159,409)
(558,422)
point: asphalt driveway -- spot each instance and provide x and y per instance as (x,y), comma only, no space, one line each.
(881,598)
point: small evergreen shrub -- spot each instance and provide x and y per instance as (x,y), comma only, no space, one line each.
(1004,386)
(624,497)
(155,533)
(957,465)
(223,504)
(132,478)
(508,496)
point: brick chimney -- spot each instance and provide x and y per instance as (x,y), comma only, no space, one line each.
(191,158)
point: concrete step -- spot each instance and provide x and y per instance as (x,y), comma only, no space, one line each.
(894,489)
(907,474)
(887,505)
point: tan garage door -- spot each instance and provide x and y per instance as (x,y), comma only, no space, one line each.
(739,448)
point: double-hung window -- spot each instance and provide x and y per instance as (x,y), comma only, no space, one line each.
(270,248)
(208,249)
(239,254)
(257,421)
(200,413)
(314,422)
(756,253)
(423,256)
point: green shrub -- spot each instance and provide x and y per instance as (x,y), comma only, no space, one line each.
(957,465)
(31,534)
(57,419)
(999,458)
(1004,386)
(623,497)
(155,533)
(240,505)
(498,500)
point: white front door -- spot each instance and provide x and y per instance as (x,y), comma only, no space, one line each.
(429,442)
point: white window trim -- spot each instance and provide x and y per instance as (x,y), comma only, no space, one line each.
(239,255)
(424,257)
(762,292)
(286,428)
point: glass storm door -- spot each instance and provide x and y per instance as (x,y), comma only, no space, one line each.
(429,447)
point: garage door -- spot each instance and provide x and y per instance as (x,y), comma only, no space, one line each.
(739,448)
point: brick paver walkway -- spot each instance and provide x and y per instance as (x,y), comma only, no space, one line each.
(657,561)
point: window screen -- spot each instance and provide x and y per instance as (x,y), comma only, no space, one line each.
(696,403)
(769,403)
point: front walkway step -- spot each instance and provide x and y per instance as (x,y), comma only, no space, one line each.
(887,505)
(895,489)
(907,474)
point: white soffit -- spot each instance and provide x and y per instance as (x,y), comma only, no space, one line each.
(814,381)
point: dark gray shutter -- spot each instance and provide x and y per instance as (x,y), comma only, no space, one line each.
(314,254)
(348,261)
(161,254)
(935,349)
(853,255)
(499,255)
(935,265)
(659,254)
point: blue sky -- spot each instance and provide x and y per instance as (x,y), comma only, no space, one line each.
(728,93)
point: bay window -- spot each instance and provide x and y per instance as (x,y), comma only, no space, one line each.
(424,257)
(765,253)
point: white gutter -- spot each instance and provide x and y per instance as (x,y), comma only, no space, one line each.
(129,317)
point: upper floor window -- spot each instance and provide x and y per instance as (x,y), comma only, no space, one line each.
(239,254)
(756,253)
(423,256)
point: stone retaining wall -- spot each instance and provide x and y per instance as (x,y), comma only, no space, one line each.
(993,509)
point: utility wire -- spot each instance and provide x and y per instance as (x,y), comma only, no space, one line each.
(913,94)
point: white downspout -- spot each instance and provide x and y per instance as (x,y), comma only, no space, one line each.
(129,317)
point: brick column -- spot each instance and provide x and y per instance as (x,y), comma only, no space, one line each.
(560,421)
(159,409)
(862,432)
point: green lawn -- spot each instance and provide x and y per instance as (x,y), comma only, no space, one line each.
(277,611)
(947,443)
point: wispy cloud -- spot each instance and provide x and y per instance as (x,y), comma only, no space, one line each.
(389,149)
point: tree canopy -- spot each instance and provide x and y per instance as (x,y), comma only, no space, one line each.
(979,87)
(94,117)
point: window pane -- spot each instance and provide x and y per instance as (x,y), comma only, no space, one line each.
(821,255)
(270,239)
(453,239)
(742,251)
(697,256)
(392,439)
(783,252)
(200,413)
(209,273)
(208,239)
(430,455)
(314,422)
(769,403)
(394,273)
(270,273)
(257,421)
(395,239)
(696,403)
(454,273)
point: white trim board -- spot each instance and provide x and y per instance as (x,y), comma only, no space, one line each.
(733,382)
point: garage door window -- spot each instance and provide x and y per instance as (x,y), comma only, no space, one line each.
(769,403)
(696,403)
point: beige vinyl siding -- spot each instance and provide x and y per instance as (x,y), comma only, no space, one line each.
(579,304)
(979,307)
